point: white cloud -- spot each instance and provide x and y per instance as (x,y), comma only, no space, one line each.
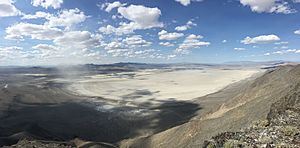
(263,39)
(171,56)
(45,47)
(281,52)
(131,47)
(78,40)
(67,18)
(164,35)
(191,42)
(115,45)
(239,49)
(34,31)
(140,17)
(224,41)
(47,3)
(268,6)
(110,6)
(14,55)
(168,44)
(297,32)
(187,2)
(38,14)
(8,9)
(143,17)
(185,27)
(122,29)
(10,51)
(136,41)
(284,47)
(116,49)
(281,43)
(79,45)
(46,51)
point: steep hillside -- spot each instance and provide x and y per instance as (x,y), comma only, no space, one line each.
(281,129)
(246,102)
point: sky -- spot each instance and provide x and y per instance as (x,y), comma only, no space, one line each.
(51,32)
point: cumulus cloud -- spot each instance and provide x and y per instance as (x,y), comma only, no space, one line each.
(281,43)
(115,45)
(132,47)
(191,42)
(187,2)
(143,17)
(34,31)
(239,49)
(297,32)
(46,51)
(38,14)
(140,17)
(121,30)
(67,18)
(79,45)
(119,49)
(168,44)
(45,47)
(8,9)
(136,41)
(263,39)
(78,40)
(281,52)
(171,56)
(268,6)
(164,35)
(47,3)
(185,27)
(11,53)
(130,42)
(110,6)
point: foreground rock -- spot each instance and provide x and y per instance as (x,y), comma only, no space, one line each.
(76,143)
(281,129)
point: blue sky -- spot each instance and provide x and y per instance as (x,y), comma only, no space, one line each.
(49,32)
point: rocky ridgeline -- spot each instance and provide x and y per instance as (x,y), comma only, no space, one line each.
(280,130)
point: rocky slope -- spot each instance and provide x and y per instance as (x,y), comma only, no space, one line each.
(76,143)
(281,129)
(259,99)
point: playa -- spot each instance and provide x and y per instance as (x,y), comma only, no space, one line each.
(159,85)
